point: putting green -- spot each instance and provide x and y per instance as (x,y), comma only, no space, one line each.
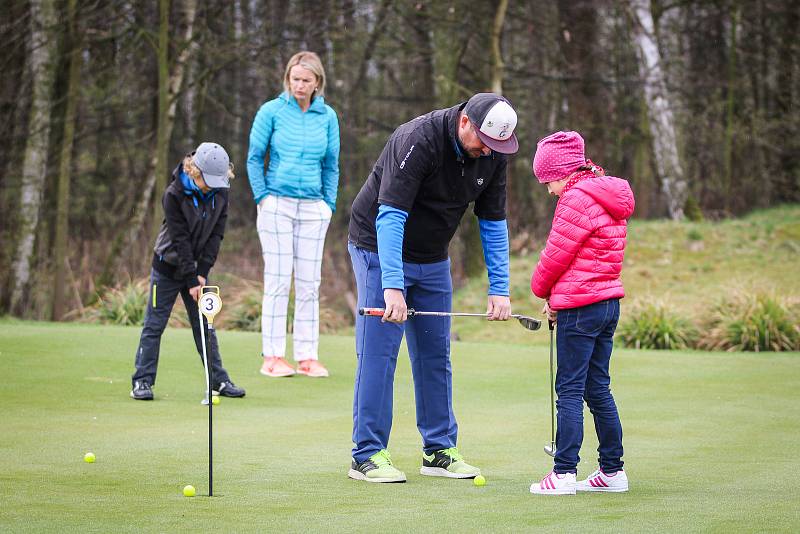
(711,442)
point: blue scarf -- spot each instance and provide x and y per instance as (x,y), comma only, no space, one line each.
(190,188)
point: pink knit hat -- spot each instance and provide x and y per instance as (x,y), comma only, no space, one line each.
(557,156)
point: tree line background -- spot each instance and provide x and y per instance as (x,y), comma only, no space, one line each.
(695,102)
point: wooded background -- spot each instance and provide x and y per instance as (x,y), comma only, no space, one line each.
(695,102)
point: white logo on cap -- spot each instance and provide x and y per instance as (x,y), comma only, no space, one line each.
(480,181)
(500,121)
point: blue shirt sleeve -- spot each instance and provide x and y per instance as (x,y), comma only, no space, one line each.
(260,135)
(330,163)
(390,226)
(494,237)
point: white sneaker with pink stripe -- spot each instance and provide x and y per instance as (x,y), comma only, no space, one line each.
(600,481)
(555,484)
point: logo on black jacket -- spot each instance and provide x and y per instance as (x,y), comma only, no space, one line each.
(480,181)
(403,163)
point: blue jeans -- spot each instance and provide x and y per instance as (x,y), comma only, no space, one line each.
(585,341)
(427,287)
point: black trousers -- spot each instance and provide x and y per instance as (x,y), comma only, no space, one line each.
(163,293)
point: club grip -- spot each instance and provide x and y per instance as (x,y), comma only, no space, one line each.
(378,312)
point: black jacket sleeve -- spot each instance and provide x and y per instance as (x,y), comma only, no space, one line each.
(208,256)
(178,229)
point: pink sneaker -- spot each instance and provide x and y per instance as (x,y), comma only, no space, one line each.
(276,367)
(555,484)
(599,481)
(312,368)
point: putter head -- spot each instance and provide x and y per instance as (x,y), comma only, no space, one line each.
(550,450)
(529,322)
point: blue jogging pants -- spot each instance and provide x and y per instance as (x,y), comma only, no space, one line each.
(427,287)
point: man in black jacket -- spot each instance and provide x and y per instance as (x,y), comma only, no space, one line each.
(401,224)
(195,211)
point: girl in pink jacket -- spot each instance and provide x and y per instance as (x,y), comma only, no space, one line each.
(578,276)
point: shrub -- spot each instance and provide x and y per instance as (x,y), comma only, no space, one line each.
(245,312)
(752,323)
(123,305)
(694,235)
(653,326)
(692,210)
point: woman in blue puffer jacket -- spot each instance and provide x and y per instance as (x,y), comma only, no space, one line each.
(298,134)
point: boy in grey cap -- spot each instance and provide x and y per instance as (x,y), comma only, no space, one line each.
(195,211)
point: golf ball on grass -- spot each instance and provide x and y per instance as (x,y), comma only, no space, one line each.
(189,491)
(89,458)
(479,480)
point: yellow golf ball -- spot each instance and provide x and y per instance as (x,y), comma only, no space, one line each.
(89,457)
(479,480)
(189,491)
(214,400)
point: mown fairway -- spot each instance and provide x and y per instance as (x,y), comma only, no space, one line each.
(712,442)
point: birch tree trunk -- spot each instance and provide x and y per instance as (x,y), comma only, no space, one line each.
(730,105)
(660,113)
(42,64)
(62,210)
(161,152)
(497,58)
(158,164)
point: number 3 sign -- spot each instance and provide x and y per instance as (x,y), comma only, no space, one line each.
(210,303)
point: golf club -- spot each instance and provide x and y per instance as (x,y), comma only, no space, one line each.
(551,449)
(528,322)
(208,305)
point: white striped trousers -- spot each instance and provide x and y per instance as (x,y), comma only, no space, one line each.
(292,234)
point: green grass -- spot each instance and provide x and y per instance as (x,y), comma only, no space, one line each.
(711,442)
(687,265)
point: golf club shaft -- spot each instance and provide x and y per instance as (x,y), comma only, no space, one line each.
(378,312)
(552,400)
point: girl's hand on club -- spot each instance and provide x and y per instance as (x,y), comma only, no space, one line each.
(196,290)
(550,313)
(498,308)
(396,310)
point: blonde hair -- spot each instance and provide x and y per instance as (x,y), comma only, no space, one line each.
(310,61)
(194,172)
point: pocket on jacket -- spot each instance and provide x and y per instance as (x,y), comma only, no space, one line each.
(591,319)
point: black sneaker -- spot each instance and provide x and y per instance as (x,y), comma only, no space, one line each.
(228,389)
(141,390)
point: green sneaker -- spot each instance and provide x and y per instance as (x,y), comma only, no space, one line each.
(377,468)
(447,463)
